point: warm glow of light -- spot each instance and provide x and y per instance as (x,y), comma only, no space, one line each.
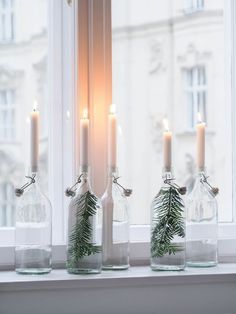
(166,124)
(85,113)
(112,109)
(28,120)
(35,105)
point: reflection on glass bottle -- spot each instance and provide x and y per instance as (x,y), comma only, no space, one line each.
(115,225)
(33,231)
(202,224)
(168,227)
(84,247)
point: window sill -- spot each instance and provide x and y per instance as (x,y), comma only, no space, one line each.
(135,276)
(135,291)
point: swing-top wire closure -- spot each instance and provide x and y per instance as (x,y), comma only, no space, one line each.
(71,190)
(19,191)
(127,192)
(181,189)
(203,180)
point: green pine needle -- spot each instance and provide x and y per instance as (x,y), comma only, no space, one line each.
(81,235)
(168,222)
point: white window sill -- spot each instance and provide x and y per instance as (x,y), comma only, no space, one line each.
(138,290)
(135,276)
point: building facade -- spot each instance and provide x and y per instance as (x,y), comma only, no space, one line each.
(168,61)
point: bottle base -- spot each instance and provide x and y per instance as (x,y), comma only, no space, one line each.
(84,271)
(167,267)
(115,267)
(33,271)
(201,264)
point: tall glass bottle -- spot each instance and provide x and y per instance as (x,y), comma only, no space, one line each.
(202,224)
(84,245)
(115,225)
(168,227)
(33,230)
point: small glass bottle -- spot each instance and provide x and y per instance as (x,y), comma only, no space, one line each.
(168,227)
(84,244)
(115,225)
(33,230)
(202,224)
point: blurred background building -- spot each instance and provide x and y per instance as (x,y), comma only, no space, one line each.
(168,61)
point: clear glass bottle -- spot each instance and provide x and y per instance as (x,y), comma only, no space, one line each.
(33,231)
(84,243)
(168,227)
(201,224)
(115,226)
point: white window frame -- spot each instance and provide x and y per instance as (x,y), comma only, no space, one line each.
(193,6)
(9,108)
(83,18)
(7,200)
(193,92)
(7,21)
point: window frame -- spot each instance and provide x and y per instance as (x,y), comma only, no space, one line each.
(67,16)
(9,108)
(193,91)
(193,6)
(8,15)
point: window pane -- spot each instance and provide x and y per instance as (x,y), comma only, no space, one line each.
(23,79)
(167,63)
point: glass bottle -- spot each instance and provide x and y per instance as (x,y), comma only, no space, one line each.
(115,225)
(168,227)
(84,243)
(202,224)
(33,230)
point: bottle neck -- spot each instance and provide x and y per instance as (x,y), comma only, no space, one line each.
(112,174)
(85,181)
(168,178)
(201,174)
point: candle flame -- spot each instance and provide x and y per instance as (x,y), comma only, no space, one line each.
(112,109)
(166,124)
(35,105)
(85,113)
(68,114)
(199,117)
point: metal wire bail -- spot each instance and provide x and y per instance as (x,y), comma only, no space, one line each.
(20,191)
(127,192)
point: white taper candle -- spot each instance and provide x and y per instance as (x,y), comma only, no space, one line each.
(84,141)
(34,151)
(201,126)
(167,142)
(112,121)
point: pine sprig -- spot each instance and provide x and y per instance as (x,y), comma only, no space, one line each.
(168,222)
(80,238)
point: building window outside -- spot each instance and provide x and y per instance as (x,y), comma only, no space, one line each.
(6,20)
(7,115)
(7,204)
(196,90)
(194,6)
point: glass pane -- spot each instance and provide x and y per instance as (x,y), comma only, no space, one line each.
(149,59)
(23,72)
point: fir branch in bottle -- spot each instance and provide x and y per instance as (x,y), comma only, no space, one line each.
(168,222)
(80,238)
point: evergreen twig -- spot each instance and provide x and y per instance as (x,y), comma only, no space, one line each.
(80,238)
(168,222)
